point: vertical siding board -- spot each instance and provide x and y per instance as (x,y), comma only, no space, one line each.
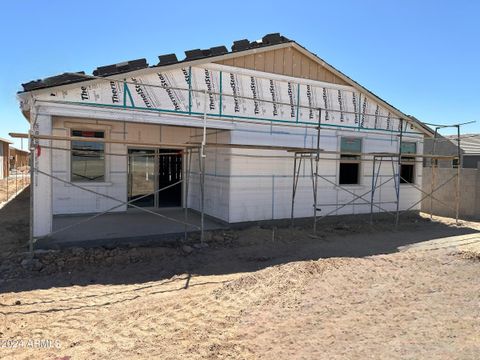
(329,76)
(278,61)
(313,73)
(342,82)
(288,62)
(260,62)
(321,73)
(269,61)
(296,63)
(335,79)
(250,62)
(240,61)
(305,70)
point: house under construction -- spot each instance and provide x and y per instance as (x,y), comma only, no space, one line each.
(265,131)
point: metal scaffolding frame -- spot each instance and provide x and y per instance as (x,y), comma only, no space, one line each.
(300,154)
(434,165)
(378,159)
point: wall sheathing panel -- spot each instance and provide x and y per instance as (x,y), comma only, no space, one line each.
(239,94)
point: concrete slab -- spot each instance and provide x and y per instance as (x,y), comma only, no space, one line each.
(133,227)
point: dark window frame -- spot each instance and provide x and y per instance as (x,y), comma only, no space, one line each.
(81,151)
(350,163)
(407,164)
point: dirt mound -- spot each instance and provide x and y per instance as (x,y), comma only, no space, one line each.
(470,254)
(278,280)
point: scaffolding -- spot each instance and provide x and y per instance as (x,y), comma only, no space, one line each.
(297,154)
(396,161)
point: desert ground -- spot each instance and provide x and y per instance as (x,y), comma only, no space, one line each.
(354,291)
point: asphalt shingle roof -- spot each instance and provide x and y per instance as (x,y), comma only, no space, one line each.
(168,59)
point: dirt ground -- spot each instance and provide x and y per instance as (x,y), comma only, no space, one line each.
(355,291)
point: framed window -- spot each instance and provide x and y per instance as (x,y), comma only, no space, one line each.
(455,163)
(407,167)
(349,172)
(88,157)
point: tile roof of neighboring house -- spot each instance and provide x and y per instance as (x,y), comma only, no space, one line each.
(469,143)
(5,141)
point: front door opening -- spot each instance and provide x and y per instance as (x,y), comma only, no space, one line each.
(169,172)
(150,170)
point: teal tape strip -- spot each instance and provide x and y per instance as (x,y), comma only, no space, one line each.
(126,91)
(237,117)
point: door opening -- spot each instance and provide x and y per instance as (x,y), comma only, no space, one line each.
(169,172)
(150,170)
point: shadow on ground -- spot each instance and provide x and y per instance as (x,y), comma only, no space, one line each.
(228,252)
(14,220)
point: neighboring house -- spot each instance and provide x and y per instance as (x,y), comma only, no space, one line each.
(470,145)
(18,158)
(264,94)
(448,145)
(4,153)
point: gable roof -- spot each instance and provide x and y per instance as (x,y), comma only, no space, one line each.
(219,54)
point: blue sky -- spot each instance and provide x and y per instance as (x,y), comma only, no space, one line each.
(421,56)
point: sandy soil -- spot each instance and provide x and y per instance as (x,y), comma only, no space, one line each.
(353,292)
